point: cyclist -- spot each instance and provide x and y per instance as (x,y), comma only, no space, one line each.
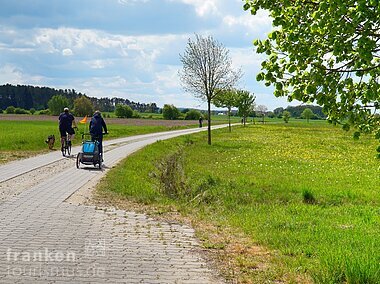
(66,122)
(97,124)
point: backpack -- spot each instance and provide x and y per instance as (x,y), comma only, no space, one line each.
(96,125)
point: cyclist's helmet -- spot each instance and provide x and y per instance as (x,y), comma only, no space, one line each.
(66,109)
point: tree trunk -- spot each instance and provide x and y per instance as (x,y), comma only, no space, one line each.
(209,122)
(229,119)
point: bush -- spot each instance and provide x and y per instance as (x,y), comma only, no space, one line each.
(20,111)
(136,114)
(123,111)
(308,197)
(10,110)
(32,110)
(170,112)
(1,111)
(171,175)
(193,115)
(44,112)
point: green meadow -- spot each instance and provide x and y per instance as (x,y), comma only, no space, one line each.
(20,139)
(307,194)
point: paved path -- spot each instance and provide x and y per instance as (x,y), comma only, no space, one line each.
(45,240)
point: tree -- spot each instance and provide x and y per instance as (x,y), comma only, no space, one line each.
(193,114)
(207,69)
(170,112)
(83,106)
(286,116)
(245,103)
(123,111)
(307,114)
(57,103)
(128,111)
(261,110)
(325,52)
(278,111)
(227,99)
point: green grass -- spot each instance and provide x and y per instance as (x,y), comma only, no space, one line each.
(307,192)
(30,135)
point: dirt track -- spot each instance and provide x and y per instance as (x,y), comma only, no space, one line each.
(123,121)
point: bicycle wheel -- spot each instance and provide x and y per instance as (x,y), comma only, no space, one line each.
(64,147)
(78,160)
(68,148)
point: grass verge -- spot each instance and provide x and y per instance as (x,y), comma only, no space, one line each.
(296,203)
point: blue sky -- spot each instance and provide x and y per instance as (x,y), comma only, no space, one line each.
(124,48)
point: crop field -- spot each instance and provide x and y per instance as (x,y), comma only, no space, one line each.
(296,202)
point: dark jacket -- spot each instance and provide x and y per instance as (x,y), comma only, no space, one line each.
(65,120)
(97,124)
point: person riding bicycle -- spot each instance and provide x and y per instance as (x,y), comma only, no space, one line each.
(66,122)
(97,124)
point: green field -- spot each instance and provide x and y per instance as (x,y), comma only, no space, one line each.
(215,118)
(306,193)
(21,139)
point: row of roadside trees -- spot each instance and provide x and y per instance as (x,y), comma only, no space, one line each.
(208,74)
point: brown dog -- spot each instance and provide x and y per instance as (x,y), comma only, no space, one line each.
(50,141)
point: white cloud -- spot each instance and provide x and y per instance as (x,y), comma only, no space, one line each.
(261,21)
(131,2)
(142,66)
(168,78)
(98,63)
(67,52)
(203,7)
(11,74)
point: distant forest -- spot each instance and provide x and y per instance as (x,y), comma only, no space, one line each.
(28,97)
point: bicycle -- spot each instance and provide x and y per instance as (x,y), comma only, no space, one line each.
(66,147)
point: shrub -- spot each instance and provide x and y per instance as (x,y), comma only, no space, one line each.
(170,112)
(44,112)
(32,110)
(136,114)
(123,111)
(10,110)
(1,111)
(308,197)
(20,111)
(193,115)
(171,174)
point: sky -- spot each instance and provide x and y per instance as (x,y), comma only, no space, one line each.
(125,48)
